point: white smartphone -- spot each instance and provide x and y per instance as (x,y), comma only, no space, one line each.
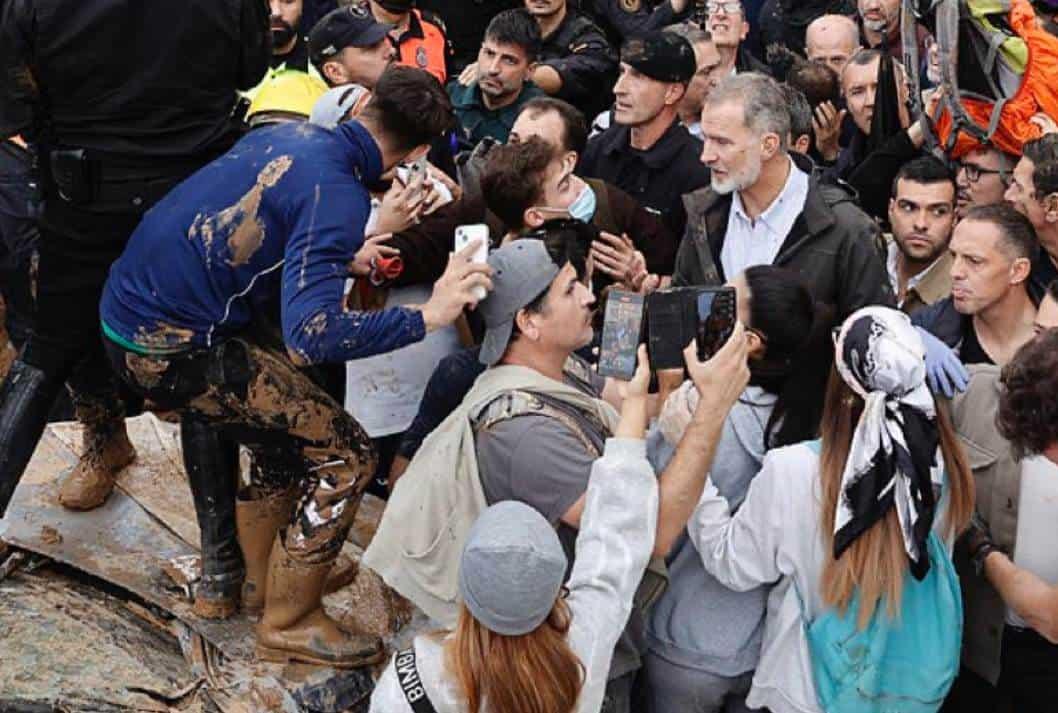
(465,235)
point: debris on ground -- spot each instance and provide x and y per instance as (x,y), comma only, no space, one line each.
(96,609)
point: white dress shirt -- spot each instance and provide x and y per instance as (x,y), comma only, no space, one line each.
(751,242)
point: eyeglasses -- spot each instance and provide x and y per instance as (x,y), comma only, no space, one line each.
(728,8)
(974,172)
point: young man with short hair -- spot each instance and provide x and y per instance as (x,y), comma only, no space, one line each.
(348,46)
(990,314)
(763,207)
(506,60)
(921,215)
(276,225)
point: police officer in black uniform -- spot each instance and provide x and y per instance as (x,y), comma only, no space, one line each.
(657,175)
(621,19)
(120,102)
(576,63)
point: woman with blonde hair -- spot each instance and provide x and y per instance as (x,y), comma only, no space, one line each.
(842,529)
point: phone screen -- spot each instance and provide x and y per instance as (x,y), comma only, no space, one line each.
(665,321)
(621,330)
(716,320)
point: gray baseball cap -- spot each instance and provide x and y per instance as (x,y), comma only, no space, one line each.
(521,270)
(512,568)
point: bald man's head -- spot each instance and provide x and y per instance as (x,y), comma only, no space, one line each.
(832,39)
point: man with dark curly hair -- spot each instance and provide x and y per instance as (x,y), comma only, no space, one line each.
(1008,422)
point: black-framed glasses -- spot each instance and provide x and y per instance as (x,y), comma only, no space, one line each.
(974,172)
(728,8)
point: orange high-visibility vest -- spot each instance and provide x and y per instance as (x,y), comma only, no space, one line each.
(424,46)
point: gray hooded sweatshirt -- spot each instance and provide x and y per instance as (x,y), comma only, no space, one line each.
(699,623)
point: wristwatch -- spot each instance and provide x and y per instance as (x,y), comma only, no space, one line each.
(979,556)
(978,541)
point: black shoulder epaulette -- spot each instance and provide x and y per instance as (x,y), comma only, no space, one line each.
(434,19)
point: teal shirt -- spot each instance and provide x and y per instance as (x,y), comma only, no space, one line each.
(476,121)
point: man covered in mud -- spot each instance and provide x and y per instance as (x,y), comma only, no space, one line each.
(280,219)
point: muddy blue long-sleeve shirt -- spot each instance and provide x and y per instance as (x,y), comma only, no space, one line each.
(280,216)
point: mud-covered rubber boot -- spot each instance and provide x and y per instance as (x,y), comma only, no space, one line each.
(106,451)
(294,626)
(26,397)
(212,465)
(258,521)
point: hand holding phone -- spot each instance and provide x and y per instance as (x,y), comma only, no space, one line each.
(717,309)
(474,233)
(417,178)
(621,334)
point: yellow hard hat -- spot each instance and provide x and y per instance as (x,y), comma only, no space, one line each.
(287,93)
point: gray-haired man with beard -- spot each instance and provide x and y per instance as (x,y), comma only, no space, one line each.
(764,208)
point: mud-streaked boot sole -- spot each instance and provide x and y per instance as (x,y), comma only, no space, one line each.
(274,655)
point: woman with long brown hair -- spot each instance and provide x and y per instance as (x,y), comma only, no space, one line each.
(837,526)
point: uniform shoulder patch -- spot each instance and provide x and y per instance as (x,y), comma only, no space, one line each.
(631,6)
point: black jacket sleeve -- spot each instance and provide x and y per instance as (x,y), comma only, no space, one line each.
(860,270)
(256,38)
(17,86)
(589,65)
(424,248)
(647,231)
(873,178)
(644,19)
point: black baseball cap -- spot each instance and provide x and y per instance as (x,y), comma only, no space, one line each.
(660,55)
(397,6)
(351,26)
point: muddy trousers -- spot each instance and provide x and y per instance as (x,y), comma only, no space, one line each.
(258,397)
(76,250)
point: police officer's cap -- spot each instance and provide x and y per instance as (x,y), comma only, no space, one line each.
(660,55)
(351,26)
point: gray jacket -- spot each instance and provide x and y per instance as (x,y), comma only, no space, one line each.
(833,245)
(699,623)
(997,480)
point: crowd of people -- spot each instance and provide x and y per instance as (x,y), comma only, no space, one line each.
(250,215)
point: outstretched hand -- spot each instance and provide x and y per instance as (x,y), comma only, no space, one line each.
(457,288)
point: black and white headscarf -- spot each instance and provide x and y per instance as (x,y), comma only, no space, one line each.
(893,459)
